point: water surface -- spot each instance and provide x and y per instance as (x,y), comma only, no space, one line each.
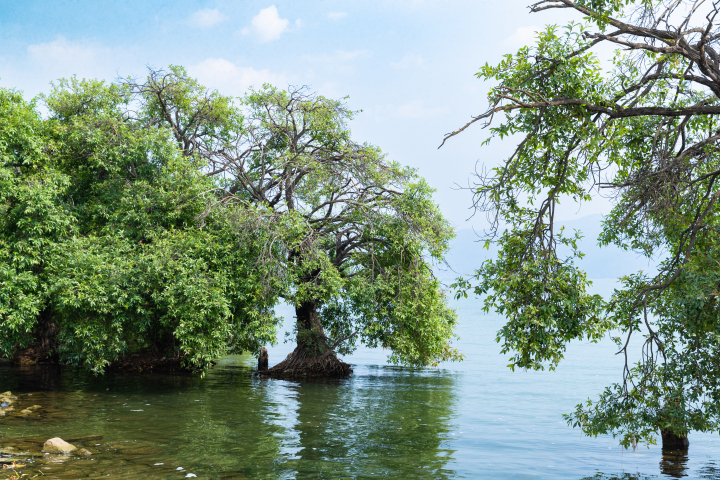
(474,419)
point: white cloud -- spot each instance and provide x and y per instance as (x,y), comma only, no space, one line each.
(41,63)
(63,58)
(267,25)
(230,79)
(412,110)
(63,51)
(408,61)
(336,15)
(522,36)
(206,18)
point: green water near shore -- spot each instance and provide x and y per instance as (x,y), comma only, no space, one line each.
(474,419)
(231,424)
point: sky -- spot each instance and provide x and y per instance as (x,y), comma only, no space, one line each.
(409,65)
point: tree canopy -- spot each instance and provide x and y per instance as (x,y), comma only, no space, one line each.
(641,129)
(109,242)
(165,217)
(365,227)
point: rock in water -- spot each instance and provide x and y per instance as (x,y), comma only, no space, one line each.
(84,451)
(7,397)
(58,445)
(263,360)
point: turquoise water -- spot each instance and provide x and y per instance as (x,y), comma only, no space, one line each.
(474,419)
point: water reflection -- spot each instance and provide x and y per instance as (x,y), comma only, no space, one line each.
(710,471)
(383,421)
(674,462)
(33,378)
(624,476)
(388,422)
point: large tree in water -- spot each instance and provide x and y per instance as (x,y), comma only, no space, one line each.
(645,130)
(359,231)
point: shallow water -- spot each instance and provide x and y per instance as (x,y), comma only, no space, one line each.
(474,419)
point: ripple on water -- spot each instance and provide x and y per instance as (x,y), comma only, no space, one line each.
(382,422)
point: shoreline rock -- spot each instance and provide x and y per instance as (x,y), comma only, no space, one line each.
(58,445)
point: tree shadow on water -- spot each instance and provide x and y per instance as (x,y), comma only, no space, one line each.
(673,464)
(386,425)
(624,476)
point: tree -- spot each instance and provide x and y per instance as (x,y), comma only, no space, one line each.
(359,231)
(109,244)
(644,130)
(33,219)
(163,218)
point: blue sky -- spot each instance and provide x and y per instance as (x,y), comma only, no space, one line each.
(409,65)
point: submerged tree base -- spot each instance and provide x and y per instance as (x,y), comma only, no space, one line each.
(300,364)
(673,441)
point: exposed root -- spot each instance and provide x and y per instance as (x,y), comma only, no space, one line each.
(300,364)
(146,362)
(34,354)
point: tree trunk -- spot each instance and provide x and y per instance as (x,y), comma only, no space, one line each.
(672,441)
(42,348)
(313,356)
(263,360)
(310,334)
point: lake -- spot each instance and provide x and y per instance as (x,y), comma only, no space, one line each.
(474,419)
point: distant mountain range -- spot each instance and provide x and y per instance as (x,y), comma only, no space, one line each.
(467,253)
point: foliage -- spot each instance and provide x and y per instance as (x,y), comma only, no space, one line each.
(357,261)
(110,229)
(33,218)
(162,216)
(643,128)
